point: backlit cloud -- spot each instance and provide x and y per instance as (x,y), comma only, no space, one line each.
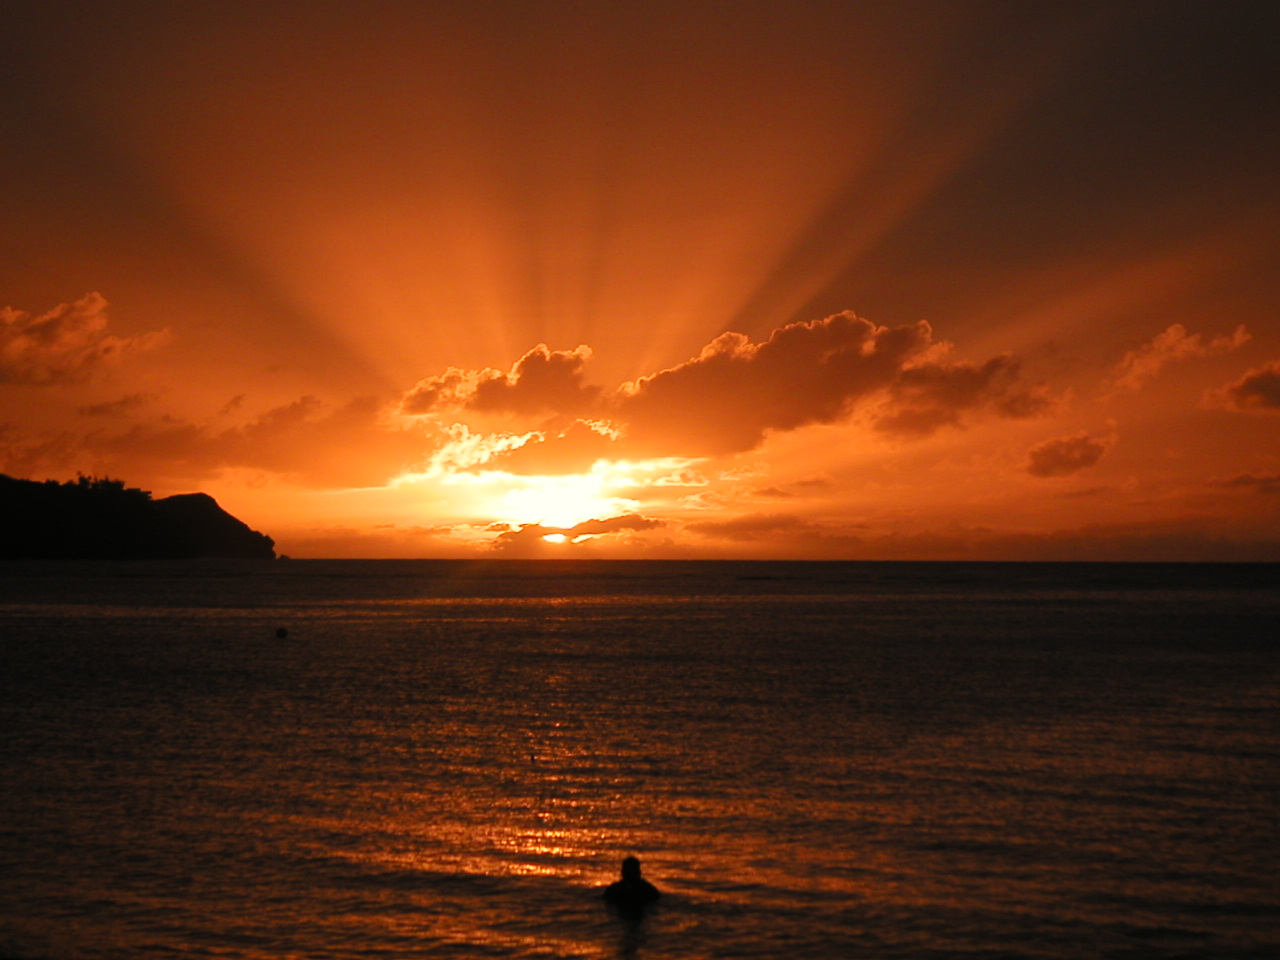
(731,396)
(928,397)
(572,450)
(727,398)
(65,345)
(1064,456)
(542,381)
(1257,391)
(533,533)
(1174,344)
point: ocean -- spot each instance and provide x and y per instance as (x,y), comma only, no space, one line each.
(811,760)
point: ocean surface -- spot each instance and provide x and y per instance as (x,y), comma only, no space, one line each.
(812,760)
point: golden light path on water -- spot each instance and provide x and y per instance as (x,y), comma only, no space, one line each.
(827,760)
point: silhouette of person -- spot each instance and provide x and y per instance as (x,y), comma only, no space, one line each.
(632,893)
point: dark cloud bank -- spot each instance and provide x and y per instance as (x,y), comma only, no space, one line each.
(731,396)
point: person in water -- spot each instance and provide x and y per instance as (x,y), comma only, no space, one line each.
(632,892)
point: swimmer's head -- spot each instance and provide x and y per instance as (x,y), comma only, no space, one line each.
(631,869)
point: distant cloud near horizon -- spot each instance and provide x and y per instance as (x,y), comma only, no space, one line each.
(748,527)
(533,532)
(64,345)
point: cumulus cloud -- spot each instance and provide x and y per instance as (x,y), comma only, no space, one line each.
(727,398)
(1258,391)
(66,345)
(1064,456)
(1140,366)
(542,381)
(925,398)
(733,394)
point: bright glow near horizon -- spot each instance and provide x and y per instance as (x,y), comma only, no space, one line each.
(558,501)
(834,280)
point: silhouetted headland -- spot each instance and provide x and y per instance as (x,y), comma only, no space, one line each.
(102,519)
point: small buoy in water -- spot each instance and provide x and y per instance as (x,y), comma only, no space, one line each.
(281,633)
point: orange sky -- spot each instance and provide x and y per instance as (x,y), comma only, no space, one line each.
(818,279)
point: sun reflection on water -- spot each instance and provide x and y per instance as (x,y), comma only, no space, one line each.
(461,777)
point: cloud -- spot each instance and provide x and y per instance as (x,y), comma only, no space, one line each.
(534,533)
(41,457)
(1164,540)
(572,450)
(66,345)
(116,408)
(728,398)
(925,398)
(631,521)
(464,449)
(1258,391)
(1140,366)
(732,395)
(1263,483)
(1064,456)
(542,381)
(306,440)
(381,542)
(682,477)
(772,493)
(820,481)
(1088,493)
(1170,539)
(751,526)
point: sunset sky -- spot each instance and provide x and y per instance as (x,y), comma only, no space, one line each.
(934,280)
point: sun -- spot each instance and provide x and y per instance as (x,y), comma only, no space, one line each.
(562,502)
